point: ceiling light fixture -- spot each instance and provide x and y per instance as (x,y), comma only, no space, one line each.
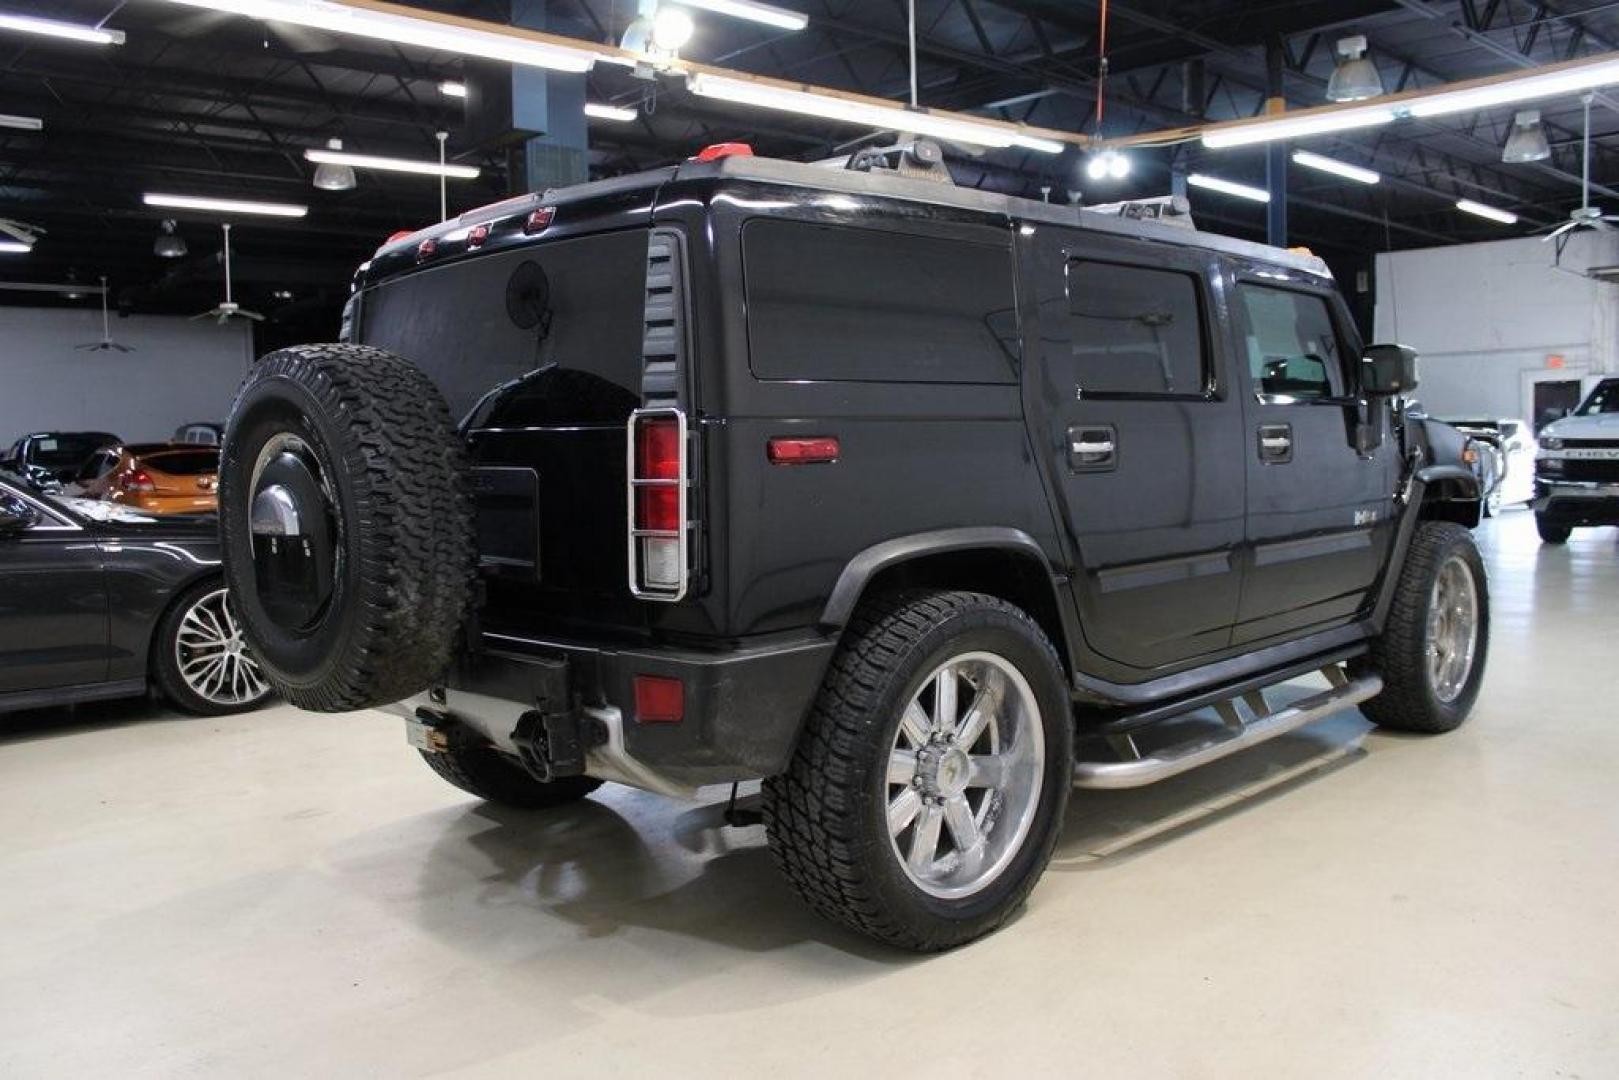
(1247,132)
(1563,79)
(672,28)
(404,165)
(883,117)
(768,14)
(1336,167)
(223,206)
(453,89)
(15,247)
(1228,187)
(1478,209)
(610,112)
(1355,78)
(90,35)
(392,23)
(334,177)
(169,244)
(23,123)
(1109,164)
(1527,142)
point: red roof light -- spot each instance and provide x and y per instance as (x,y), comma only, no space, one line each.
(539,220)
(724,150)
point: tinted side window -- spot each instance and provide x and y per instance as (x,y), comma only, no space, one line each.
(1291,343)
(1135,330)
(840,303)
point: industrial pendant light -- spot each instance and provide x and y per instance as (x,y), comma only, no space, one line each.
(1528,140)
(335,177)
(1355,78)
(169,244)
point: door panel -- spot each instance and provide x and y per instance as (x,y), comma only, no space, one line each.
(53,608)
(1147,446)
(1320,515)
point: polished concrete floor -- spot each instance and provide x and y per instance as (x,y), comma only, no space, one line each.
(292,895)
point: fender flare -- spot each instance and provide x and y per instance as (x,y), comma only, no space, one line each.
(1432,474)
(867,564)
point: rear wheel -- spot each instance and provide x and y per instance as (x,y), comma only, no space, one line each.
(928,787)
(1550,532)
(491,775)
(347,525)
(1432,649)
(200,661)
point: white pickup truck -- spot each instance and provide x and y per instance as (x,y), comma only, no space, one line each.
(1577,467)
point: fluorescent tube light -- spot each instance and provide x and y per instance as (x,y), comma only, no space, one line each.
(1035,142)
(26,123)
(1336,167)
(403,29)
(860,113)
(224,206)
(366,161)
(1505,217)
(15,247)
(90,35)
(1296,127)
(768,14)
(1525,87)
(453,89)
(1227,187)
(610,112)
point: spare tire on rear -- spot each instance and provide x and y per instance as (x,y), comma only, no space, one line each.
(347,525)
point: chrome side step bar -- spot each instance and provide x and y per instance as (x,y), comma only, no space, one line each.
(1136,770)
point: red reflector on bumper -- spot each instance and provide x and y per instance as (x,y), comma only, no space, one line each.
(803,451)
(659,700)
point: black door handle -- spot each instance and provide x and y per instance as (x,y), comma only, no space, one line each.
(1093,447)
(1276,443)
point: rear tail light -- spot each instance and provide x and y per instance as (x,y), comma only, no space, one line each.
(659,700)
(139,480)
(658,477)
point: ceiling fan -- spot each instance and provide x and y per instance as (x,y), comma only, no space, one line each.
(21,231)
(1587,216)
(106,344)
(228,307)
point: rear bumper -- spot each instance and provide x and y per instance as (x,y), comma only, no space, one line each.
(1569,502)
(743,706)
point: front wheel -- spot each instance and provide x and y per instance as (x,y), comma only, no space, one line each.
(1432,648)
(929,784)
(1552,533)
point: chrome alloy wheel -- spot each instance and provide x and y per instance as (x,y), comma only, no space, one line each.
(965,774)
(1452,637)
(212,657)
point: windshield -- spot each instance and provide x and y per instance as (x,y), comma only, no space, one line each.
(1604,399)
(66,451)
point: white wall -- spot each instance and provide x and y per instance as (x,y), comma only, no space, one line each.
(1486,317)
(181,371)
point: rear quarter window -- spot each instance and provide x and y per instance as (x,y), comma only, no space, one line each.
(839,303)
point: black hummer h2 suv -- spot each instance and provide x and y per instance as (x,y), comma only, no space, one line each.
(921,504)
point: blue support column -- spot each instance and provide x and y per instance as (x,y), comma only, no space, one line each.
(552,104)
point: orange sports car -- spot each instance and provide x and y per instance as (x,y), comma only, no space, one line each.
(154,478)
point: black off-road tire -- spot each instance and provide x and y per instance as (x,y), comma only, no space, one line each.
(1551,533)
(1408,701)
(384,442)
(492,776)
(825,816)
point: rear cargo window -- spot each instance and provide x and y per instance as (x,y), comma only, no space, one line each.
(564,313)
(838,303)
(184,462)
(1136,331)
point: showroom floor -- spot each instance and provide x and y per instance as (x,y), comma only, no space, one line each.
(288,894)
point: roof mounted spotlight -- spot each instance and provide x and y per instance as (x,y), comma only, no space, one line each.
(1527,142)
(169,244)
(1356,77)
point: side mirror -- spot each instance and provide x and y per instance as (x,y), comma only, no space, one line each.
(1388,370)
(16,515)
